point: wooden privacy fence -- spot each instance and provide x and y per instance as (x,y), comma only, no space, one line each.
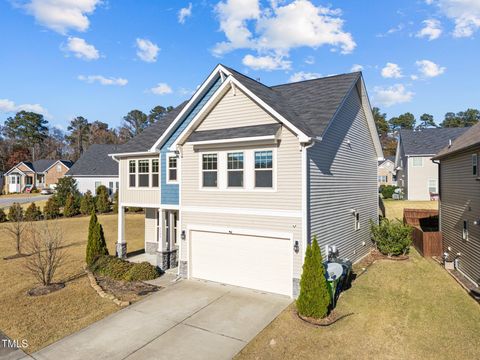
(428,243)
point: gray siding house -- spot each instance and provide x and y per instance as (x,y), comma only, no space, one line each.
(460,202)
(259,170)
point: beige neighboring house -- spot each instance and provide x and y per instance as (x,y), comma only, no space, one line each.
(460,202)
(39,174)
(417,175)
(386,171)
(237,180)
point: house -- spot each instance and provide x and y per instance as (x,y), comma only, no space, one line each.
(237,180)
(95,168)
(460,202)
(417,176)
(386,171)
(38,174)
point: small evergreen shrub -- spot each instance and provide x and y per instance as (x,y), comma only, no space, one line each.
(87,203)
(102,202)
(118,269)
(141,272)
(96,245)
(392,238)
(15,213)
(314,299)
(3,216)
(33,213)
(66,186)
(387,191)
(115,202)
(51,210)
(70,208)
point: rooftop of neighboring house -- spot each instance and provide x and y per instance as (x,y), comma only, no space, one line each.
(387,158)
(40,166)
(96,162)
(467,140)
(427,142)
(309,105)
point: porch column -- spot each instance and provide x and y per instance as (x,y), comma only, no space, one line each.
(121,242)
(162,250)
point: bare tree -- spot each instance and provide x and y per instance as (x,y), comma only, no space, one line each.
(45,245)
(16,227)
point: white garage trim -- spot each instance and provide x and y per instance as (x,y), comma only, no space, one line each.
(243,211)
(242,231)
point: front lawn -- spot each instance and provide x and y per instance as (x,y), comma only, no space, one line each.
(401,310)
(45,319)
(394,208)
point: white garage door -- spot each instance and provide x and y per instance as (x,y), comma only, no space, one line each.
(256,262)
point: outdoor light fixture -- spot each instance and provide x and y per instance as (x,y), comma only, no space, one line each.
(296,248)
(183,236)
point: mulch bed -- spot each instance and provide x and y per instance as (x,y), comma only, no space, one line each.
(44,290)
(332,318)
(125,290)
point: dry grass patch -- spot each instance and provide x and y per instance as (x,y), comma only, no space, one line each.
(44,319)
(394,208)
(401,310)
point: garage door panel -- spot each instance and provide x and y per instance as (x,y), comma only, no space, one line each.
(256,262)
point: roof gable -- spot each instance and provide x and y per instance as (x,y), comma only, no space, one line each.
(468,139)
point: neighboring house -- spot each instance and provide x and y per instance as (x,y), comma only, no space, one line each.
(417,176)
(386,171)
(39,174)
(95,168)
(237,180)
(460,201)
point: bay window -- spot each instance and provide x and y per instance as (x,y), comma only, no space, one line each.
(263,169)
(209,170)
(235,169)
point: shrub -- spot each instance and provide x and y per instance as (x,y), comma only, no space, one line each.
(392,238)
(15,213)
(314,298)
(66,186)
(115,202)
(71,208)
(96,245)
(141,272)
(51,210)
(33,213)
(135,209)
(102,201)
(387,191)
(3,216)
(87,203)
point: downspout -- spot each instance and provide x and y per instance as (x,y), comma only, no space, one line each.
(304,148)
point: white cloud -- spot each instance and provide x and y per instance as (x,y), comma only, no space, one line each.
(388,96)
(184,13)
(393,30)
(310,60)
(62,15)
(90,79)
(266,62)
(161,89)
(414,77)
(81,49)
(464,13)
(9,106)
(276,29)
(392,70)
(356,67)
(432,29)
(429,69)
(147,50)
(300,76)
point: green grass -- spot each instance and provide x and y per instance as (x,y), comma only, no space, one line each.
(401,310)
(394,208)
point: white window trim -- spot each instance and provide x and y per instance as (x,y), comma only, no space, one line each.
(137,175)
(248,170)
(158,173)
(167,175)
(475,156)
(413,161)
(242,169)
(436,185)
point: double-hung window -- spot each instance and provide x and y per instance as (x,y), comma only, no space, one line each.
(264,169)
(143,173)
(417,161)
(235,169)
(172,169)
(209,170)
(132,173)
(155,172)
(432,186)
(475,164)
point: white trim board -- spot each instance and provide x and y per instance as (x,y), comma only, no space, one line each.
(243,211)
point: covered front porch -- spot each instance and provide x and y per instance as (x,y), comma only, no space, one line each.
(161,245)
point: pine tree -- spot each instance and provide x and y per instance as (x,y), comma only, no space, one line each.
(96,245)
(3,216)
(87,204)
(51,210)
(33,213)
(314,298)
(70,208)
(102,202)
(15,213)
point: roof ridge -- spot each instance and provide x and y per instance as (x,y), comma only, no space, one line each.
(316,79)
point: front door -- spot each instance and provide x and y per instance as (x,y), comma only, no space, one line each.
(14,184)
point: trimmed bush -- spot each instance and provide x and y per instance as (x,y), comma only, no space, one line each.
(15,213)
(87,203)
(33,213)
(66,186)
(115,202)
(102,202)
(96,245)
(3,216)
(141,272)
(118,269)
(314,298)
(51,210)
(392,238)
(70,208)
(387,191)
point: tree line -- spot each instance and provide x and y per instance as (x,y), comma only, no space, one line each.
(388,129)
(27,136)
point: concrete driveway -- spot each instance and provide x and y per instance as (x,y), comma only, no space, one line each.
(8,201)
(187,320)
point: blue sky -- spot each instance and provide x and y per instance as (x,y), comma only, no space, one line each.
(100,59)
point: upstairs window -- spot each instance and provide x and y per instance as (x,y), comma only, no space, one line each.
(155,172)
(264,169)
(417,161)
(143,173)
(475,164)
(172,169)
(235,169)
(132,173)
(59,168)
(209,170)
(432,186)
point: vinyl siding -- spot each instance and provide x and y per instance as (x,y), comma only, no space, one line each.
(85,184)
(143,197)
(459,201)
(343,177)
(418,178)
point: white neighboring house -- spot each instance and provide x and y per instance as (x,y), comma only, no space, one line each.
(95,168)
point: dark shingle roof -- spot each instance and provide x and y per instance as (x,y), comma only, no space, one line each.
(427,141)
(235,133)
(391,158)
(41,165)
(468,139)
(96,162)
